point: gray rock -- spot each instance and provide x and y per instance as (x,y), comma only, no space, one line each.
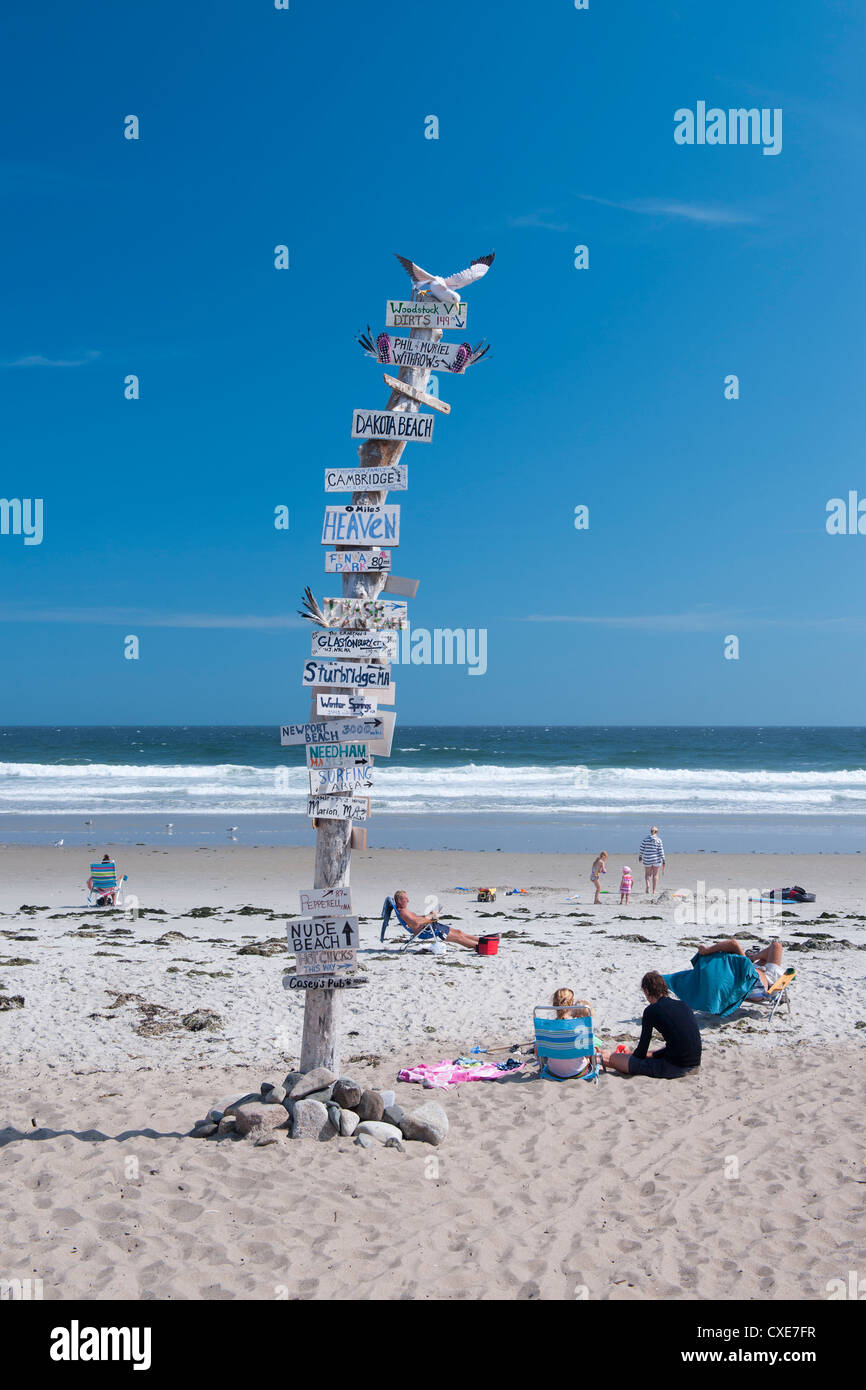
(365,1141)
(275,1096)
(371,1106)
(214,1116)
(377,1130)
(270,1137)
(324,1095)
(244,1100)
(316,1080)
(349,1122)
(388,1098)
(291,1080)
(333,1114)
(257,1116)
(204,1130)
(393,1115)
(394,1144)
(310,1121)
(428,1123)
(347,1093)
(226,1125)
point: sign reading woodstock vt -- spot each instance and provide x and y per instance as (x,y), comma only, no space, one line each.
(356,561)
(345,641)
(357,526)
(391,477)
(378,613)
(338,807)
(346,675)
(425,313)
(392,424)
(351,781)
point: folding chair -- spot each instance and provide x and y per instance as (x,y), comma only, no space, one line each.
(778,993)
(389,907)
(105,883)
(566,1039)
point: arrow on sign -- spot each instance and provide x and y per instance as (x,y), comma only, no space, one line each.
(347,933)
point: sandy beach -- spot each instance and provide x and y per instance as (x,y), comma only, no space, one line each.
(631,1189)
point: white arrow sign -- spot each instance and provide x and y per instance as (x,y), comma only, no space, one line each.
(338,808)
(347,675)
(336,731)
(392,477)
(425,313)
(379,613)
(327,901)
(357,561)
(392,424)
(343,641)
(351,781)
(351,526)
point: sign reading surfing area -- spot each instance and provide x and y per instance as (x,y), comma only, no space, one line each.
(346,526)
(348,780)
(425,313)
(392,477)
(356,561)
(392,424)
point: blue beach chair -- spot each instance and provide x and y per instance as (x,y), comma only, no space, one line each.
(104,883)
(566,1039)
(390,908)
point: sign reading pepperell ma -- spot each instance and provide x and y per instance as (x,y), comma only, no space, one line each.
(327,901)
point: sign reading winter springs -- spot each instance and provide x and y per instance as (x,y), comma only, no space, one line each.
(425,313)
(392,424)
(391,477)
(357,526)
(347,704)
(379,613)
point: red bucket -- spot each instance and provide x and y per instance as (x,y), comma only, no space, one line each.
(488,946)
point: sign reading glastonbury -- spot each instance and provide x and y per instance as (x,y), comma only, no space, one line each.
(425,313)
(356,561)
(342,641)
(391,477)
(392,424)
(379,613)
(351,526)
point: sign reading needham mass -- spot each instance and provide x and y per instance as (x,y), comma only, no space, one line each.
(357,561)
(425,313)
(343,641)
(346,675)
(351,526)
(392,424)
(338,755)
(391,477)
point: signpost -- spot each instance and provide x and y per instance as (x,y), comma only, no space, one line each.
(348,781)
(342,808)
(392,424)
(347,526)
(393,479)
(420,355)
(359,642)
(379,613)
(425,313)
(406,389)
(338,755)
(325,900)
(357,561)
(346,675)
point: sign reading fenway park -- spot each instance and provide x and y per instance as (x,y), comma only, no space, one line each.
(356,561)
(392,424)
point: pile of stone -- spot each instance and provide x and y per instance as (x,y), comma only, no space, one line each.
(320,1105)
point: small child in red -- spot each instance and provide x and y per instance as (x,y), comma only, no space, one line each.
(626,885)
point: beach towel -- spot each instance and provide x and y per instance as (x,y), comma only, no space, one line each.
(716,984)
(439,1076)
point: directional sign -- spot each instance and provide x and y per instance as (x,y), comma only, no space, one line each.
(327,901)
(392,424)
(346,704)
(351,526)
(338,755)
(347,675)
(378,613)
(324,981)
(322,933)
(395,585)
(425,313)
(377,732)
(356,561)
(338,808)
(414,394)
(335,731)
(422,355)
(348,641)
(343,962)
(391,477)
(347,780)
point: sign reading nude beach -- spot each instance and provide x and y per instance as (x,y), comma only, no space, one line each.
(361,526)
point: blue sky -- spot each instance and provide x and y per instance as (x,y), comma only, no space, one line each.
(602,387)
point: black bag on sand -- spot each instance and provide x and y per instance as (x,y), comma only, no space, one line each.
(791,895)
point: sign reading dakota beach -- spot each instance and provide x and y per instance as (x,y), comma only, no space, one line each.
(392,424)
(349,526)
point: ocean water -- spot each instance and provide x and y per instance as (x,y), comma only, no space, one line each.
(715,781)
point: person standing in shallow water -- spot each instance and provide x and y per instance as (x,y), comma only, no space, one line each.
(652,856)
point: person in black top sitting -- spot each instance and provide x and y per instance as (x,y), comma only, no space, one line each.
(675,1021)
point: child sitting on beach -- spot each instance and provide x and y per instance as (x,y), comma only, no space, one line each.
(563,1002)
(598,868)
(626,885)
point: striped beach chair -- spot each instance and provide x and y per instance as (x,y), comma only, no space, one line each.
(104,882)
(566,1039)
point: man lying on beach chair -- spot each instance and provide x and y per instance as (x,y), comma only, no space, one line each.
(421,928)
(724,976)
(565,1042)
(104,883)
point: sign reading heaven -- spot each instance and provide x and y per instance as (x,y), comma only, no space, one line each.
(346,675)
(366,612)
(392,424)
(341,641)
(425,313)
(356,561)
(352,526)
(389,478)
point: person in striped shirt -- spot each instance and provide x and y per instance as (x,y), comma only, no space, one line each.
(652,856)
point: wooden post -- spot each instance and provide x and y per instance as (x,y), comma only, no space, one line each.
(320,1045)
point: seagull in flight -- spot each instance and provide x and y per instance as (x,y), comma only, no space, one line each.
(441,287)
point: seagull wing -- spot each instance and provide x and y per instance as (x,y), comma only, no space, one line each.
(475,272)
(414,271)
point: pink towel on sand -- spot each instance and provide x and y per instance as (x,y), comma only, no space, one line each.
(440,1075)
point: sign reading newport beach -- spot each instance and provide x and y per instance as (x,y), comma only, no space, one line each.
(392,424)
(346,675)
(366,612)
(335,731)
(425,313)
(357,561)
(392,477)
(341,641)
(351,526)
